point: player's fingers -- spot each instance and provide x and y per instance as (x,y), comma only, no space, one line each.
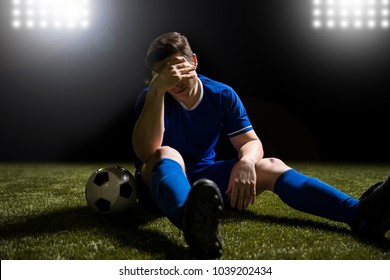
(184,72)
(244,195)
(176,60)
(247,198)
(230,187)
(241,198)
(248,195)
(187,72)
(234,196)
(253,198)
(180,63)
(189,75)
(189,69)
(180,58)
(184,65)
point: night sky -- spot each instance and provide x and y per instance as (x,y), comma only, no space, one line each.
(310,94)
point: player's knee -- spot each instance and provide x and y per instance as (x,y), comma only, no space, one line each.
(271,165)
(268,171)
(166,152)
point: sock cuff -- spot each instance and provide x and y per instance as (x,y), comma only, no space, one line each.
(166,162)
(290,174)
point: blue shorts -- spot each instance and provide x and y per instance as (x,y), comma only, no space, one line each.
(218,171)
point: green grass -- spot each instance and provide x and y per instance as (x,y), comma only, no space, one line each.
(43,215)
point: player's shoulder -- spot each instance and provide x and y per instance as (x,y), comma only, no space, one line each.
(214,86)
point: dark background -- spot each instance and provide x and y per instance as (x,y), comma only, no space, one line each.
(311,94)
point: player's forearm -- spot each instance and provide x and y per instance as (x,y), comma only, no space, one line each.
(251,151)
(145,142)
(149,128)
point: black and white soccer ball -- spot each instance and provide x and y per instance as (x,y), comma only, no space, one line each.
(111,190)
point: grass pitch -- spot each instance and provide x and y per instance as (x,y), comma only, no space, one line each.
(43,215)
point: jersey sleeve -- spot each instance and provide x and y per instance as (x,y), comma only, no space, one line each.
(236,119)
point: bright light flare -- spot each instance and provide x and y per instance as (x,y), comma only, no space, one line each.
(50,14)
(350,14)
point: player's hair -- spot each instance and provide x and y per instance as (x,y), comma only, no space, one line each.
(166,45)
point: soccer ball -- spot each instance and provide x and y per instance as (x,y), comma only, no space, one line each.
(111,190)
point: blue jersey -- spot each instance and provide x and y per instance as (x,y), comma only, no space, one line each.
(195,132)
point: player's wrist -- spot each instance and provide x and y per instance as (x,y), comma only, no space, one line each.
(156,90)
(248,160)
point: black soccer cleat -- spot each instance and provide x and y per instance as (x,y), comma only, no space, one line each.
(374,217)
(201,223)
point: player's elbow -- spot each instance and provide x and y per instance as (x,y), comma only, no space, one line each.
(145,144)
(142,154)
(143,150)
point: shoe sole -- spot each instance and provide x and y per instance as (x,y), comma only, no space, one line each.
(201,220)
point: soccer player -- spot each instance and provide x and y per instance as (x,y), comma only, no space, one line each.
(180,116)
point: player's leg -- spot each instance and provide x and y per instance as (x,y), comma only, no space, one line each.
(204,206)
(195,210)
(304,193)
(374,211)
(369,216)
(201,223)
(164,173)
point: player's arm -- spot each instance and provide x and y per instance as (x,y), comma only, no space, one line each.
(149,128)
(242,184)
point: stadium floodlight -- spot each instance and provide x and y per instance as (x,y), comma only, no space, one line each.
(350,14)
(50,14)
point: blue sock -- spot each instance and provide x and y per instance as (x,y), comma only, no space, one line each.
(170,188)
(313,196)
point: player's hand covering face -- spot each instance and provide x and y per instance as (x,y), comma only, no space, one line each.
(175,75)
